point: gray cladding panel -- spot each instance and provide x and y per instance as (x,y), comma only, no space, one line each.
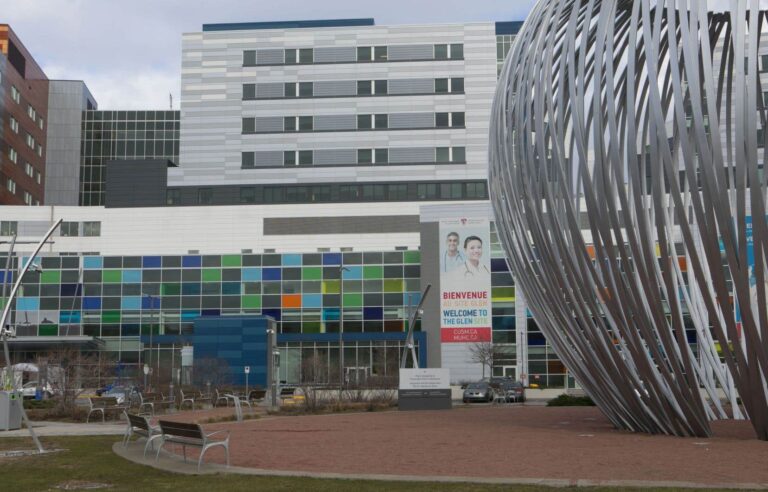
(410,52)
(383,224)
(335,54)
(269,124)
(33,228)
(411,120)
(336,88)
(335,157)
(335,122)
(411,154)
(412,86)
(268,158)
(269,56)
(271,89)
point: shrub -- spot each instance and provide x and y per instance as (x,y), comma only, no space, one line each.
(571,401)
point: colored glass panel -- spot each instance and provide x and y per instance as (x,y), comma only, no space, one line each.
(48,330)
(291,301)
(270,274)
(331,314)
(93,262)
(191,261)
(312,300)
(251,274)
(230,288)
(373,312)
(251,302)
(68,317)
(231,260)
(412,257)
(331,259)
(91,302)
(312,273)
(110,316)
(501,294)
(131,303)
(50,277)
(111,276)
(331,286)
(170,289)
(211,275)
(27,303)
(291,260)
(151,262)
(353,273)
(373,272)
(393,285)
(353,300)
(131,276)
(311,327)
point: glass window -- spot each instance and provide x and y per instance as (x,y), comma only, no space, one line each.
(348,192)
(364,87)
(441,52)
(289,124)
(364,53)
(305,89)
(248,194)
(457,119)
(441,86)
(380,86)
(305,158)
(380,53)
(306,55)
(397,192)
(249,125)
(248,160)
(457,51)
(305,123)
(91,229)
(290,57)
(457,84)
(382,156)
(442,154)
(9,228)
(290,89)
(364,121)
(364,156)
(426,191)
(441,120)
(173,197)
(381,121)
(459,154)
(289,158)
(249,58)
(205,196)
(249,92)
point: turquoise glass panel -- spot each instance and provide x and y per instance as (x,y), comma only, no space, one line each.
(93,262)
(312,300)
(131,276)
(353,273)
(27,303)
(251,274)
(291,260)
(131,303)
(190,315)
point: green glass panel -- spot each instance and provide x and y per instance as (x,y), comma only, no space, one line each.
(411,257)
(51,277)
(503,293)
(393,285)
(373,271)
(211,275)
(110,316)
(311,327)
(111,276)
(48,330)
(231,261)
(170,289)
(251,302)
(353,300)
(312,273)
(331,286)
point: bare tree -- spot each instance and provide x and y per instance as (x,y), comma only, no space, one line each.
(486,353)
(211,371)
(314,377)
(73,371)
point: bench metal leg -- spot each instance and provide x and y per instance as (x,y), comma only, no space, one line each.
(160,448)
(151,443)
(128,434)
(88,418)
(225,444)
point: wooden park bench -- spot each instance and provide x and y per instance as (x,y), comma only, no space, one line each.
(151,400)
(103,404)
(190,435)
(139,425)
(257,395)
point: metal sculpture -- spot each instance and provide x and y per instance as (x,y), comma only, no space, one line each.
(626,175)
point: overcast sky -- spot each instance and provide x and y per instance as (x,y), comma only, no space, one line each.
(129,52)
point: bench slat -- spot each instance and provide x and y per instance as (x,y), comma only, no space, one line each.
(181,429)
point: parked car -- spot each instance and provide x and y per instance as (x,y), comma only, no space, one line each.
(122,393)
(513,391)
(29,390)
(478,392)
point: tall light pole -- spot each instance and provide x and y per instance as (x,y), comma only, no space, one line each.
(342,269)
(151,318)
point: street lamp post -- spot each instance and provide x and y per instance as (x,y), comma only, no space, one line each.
(342,269)
(151,319)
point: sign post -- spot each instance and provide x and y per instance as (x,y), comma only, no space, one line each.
(424,389)
(247,372)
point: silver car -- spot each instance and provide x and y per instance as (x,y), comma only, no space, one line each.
(478,392)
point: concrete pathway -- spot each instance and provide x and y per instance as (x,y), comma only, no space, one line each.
(69,429)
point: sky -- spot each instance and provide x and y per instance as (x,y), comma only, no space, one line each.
(129,52)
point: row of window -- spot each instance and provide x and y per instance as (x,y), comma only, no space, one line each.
(31,112)
(345,193)
(72,229)
(291,158)
(362,122)
(454,85)
(362,54)
(13,156)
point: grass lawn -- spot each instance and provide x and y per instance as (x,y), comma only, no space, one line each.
(90,460)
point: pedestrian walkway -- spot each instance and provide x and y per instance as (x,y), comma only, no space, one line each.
(69,429)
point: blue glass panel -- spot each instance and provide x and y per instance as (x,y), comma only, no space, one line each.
(191,261)
(331,258)
(189,315)
(273,313)
(93,262)
(251,274)
(331,314)
(91,302)
(131,276)
(130,330)
(536,339)
(151,262)
(270,274)
(499,265)
(150,302)
(27,303)
(69,317)
(70,290)
(190,289)
(415,298)
(312,300)
(353,273)
(230,288)
(503,322)
(131,302)
(291,260)
(373,313)
(210,312)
